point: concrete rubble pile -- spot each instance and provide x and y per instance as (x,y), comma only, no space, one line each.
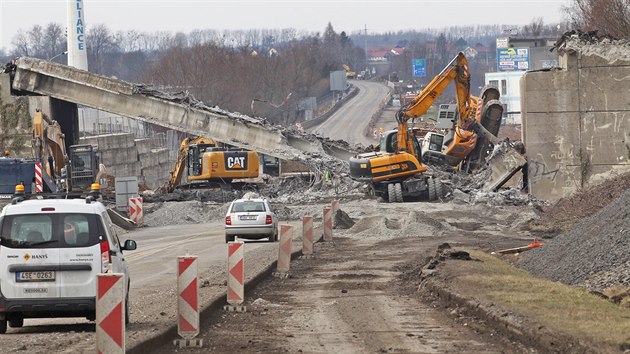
(473,188)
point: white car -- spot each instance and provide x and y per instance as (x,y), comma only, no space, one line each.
(50,253)
(251,218)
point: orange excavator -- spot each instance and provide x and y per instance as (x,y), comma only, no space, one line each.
(396,171)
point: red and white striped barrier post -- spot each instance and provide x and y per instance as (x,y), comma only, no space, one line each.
(328,234)
(236,277)
(135,210)
(188,302)
(110,313)
(39,182)
(335,206)
(284,251)
(307,237)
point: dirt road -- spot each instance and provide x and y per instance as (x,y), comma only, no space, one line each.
(341,302)
(360,293)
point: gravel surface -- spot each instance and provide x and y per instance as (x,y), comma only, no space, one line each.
(594,253)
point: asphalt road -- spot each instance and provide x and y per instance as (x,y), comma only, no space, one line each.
(351,120)
(152,269)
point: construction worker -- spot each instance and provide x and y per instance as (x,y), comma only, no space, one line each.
(326,176)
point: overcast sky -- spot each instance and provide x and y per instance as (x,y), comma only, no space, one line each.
(345,15)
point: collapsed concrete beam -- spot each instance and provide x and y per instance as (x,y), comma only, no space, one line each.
(122,98)
(504,165)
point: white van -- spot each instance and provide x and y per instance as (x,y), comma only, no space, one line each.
(50,253)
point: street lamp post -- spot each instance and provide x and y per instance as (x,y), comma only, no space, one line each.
(58,55)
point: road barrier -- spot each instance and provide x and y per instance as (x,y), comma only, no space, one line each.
(328,233)
(284,251)
(307,237)
(335,206)
(110,315)
(236,277)
(188,302)
(39,182)
(135,210)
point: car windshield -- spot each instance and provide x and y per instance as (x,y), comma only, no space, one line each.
(248,206)
(49,230)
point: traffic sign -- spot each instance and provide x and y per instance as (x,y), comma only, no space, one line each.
(419,68)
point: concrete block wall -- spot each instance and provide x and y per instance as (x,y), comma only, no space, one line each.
(16,119)
(576,121)
(156,166)
(124,155)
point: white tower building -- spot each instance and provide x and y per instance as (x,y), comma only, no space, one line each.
(77,48)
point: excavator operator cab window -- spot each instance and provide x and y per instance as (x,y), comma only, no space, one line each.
(389,142)
(194,160)
(416,147)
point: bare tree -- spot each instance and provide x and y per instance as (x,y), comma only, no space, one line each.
(534,28)
(54,40)
(21,44)
(100,42)
(611,17)
(36,40)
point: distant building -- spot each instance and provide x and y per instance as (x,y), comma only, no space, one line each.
(515,56)
(508,84)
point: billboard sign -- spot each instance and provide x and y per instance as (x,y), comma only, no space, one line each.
(419,68)
(513,59)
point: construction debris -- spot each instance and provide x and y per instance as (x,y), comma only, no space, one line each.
(504,162)
(342,220)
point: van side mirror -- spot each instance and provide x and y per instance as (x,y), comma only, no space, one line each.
(129,245)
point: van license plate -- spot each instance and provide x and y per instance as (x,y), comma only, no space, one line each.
(35,276)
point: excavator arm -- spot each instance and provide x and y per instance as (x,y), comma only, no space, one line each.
(456,70)
(48,143)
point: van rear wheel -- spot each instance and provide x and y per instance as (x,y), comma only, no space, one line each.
(16,322)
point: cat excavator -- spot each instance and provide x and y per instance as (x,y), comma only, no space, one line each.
(396,171)
(206,161)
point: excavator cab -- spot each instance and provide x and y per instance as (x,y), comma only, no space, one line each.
(84,167)
(195,157)
(389,144)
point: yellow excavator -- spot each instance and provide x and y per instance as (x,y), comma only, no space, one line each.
(206,161)
(349,73)
(396,171)
(49,148)
(48,144)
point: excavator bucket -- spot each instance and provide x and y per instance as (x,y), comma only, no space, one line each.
(489,115)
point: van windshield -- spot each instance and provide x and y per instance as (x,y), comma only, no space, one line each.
(49,230)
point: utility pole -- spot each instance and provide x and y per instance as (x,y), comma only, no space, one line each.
(366,51)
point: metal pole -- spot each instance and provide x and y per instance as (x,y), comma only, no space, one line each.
(366,50)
